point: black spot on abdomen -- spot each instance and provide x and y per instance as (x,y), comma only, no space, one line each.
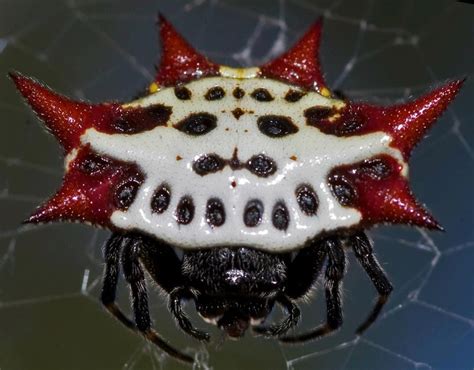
(125,193)
(280,216)
(182,93)
(185,210)
(215,212)
(136,120)
(261,165)
(215,93)
(197,124)
(253,213)
(342,190)
(262,95)
(307,199)
(238,93)
(237,113)
(208,163)
(292,96)
(161,199)
(276,126)
(315,115)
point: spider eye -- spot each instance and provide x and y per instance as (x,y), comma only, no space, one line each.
(197,124)
(276,126)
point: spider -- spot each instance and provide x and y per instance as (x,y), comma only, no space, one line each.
(236,188)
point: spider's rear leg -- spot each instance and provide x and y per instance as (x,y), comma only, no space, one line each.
(134,275)
(333,275)
(364,253)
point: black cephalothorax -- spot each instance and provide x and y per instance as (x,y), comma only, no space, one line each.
(235,287)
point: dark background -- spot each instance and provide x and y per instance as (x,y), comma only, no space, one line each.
(379,51)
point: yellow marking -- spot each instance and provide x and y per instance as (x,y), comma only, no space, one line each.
(153,88)
(334,117)
(325,92)
(241,73)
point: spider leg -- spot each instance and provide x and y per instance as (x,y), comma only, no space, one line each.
(112,250)
(333,276)
(175,303)
(304,270)
(364,253)
(281,328)
(162,264)
(302,273)
(136,278)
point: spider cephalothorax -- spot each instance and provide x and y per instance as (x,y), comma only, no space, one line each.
(240,168)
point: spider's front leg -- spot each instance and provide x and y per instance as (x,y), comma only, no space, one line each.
(131,246)
(364,253)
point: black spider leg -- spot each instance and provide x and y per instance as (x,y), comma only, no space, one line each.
(304,270)
(175,306)
(302,273)
(290,321)
(333,277)
(164,267)
(135,277)
(112,250)
(365,255)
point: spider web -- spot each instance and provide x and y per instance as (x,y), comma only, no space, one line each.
(50,316)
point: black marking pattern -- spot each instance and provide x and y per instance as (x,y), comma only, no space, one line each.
(292,96)
(197,124)
(262,95)
(276,126)
(280,216)
(185,210)
(125,194)
(215,93)
(261,165)
(237,113)
(376,168)
(238,93)
(136,120)
(215,212)
(93,164)
(307,199)
(182,93)
(317,113)
(342,190)
(253,213)
(161,199)
(208,163)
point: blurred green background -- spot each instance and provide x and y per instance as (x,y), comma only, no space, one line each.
(379,51)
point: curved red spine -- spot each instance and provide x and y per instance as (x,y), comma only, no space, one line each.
(300,65)
(180,62)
